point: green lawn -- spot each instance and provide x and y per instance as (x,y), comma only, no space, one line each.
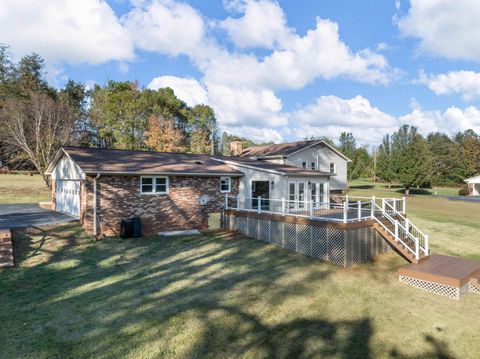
(216,297)
(23,188)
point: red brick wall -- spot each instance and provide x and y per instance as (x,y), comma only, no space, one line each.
(118,197)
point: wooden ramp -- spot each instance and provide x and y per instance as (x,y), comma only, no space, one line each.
(445,275)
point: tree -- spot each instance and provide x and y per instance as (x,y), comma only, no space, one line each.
(385,168)
(361,164)
(468,144)
(203,130)
(348,146)
(163,136)
(34,129)
(411,158)
(446,160)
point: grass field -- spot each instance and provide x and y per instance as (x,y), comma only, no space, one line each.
(216,297)
(22,188)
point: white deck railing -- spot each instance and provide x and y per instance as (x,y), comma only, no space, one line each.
(348,209)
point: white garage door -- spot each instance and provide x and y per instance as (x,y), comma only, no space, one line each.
(68,197)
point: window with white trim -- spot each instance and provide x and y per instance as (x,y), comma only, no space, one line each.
(333,168)
(304,164)
(312,166)
(153,185)
(225,184)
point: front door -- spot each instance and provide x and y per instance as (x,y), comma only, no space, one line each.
(297,198)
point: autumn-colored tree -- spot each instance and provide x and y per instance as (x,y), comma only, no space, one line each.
(163,136)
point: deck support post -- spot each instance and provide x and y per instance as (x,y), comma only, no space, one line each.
(238,203)
(283,206)
(372,209)
(259,204)
(359,209)
(417,248)
(407,225)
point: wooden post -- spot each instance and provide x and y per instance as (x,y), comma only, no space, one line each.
(417,248)
(259,204)
(359,209)
(394,206)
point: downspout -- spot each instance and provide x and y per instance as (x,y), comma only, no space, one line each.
(95,205)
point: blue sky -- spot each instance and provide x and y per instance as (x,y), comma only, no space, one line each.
(272,70)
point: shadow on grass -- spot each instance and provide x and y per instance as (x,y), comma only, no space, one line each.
(205,296)
(439,350)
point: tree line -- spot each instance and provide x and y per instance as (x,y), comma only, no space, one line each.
(408,158)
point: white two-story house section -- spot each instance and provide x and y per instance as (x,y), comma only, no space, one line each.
(311,155)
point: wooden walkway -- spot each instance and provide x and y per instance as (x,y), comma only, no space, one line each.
(445,275)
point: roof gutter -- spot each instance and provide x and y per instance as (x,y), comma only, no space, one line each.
(198,174)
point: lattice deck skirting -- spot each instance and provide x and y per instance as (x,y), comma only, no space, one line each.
(343,247)
(437,288)
(474,289)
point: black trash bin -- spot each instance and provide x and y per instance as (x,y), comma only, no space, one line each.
(131,228)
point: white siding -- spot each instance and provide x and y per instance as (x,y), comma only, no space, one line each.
(67,169)
(325,157)
(250,175)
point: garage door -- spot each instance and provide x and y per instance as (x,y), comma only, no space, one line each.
(68,197)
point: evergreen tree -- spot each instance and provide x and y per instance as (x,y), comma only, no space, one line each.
(385,168)
(411,158)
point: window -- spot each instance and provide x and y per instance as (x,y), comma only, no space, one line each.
(304,164)
(333,168)
(154,185)
(312,166)
(225,184)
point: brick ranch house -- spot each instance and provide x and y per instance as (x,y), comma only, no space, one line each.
(175,191)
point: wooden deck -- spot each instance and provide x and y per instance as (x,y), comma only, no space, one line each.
(447,270)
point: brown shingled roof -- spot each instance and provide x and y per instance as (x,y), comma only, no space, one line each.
(264,165)
(93,160)
(277,149)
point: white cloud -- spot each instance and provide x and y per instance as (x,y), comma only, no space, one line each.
(188,89)
(64,31)
(167,27)
(465,83)
(318,54)
(263,24)
(447,28)
(243,106)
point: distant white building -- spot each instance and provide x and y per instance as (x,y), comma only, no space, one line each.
(473,186)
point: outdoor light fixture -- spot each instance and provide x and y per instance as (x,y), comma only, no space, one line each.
(272,184)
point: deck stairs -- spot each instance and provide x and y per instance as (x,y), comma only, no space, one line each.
(399,231)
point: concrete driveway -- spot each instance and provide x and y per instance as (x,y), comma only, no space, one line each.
(26,215)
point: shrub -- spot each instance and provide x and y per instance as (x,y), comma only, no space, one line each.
(463,192)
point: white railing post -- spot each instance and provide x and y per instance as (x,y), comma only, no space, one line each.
(311,209)
(426,250)
(383,204)
(372,210)
(238,203)
(259,204)
(417,248)
(345,212)
(396,230)
(407,226)
(226,201)
(359,210)
(283,206)
(394,206)
(404,205)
